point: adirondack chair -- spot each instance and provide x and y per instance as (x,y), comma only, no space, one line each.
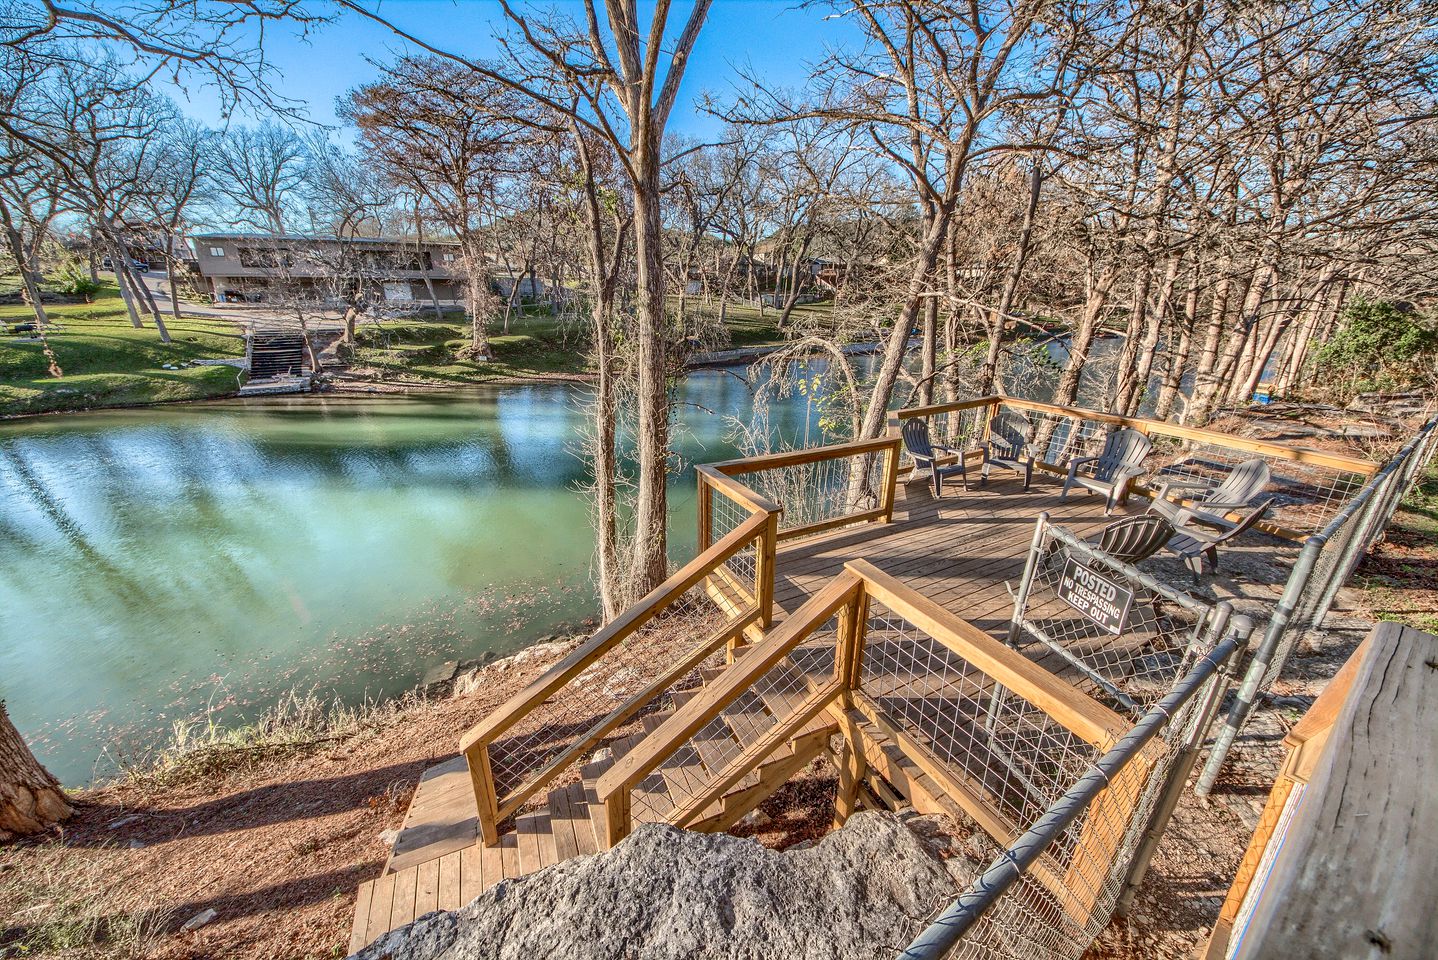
(1113,470)
(1129,539)
(1210,503)
(915,432)
(1195,544)
(1008,446)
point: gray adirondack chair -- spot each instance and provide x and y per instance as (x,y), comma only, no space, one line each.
(1210,503)
(1129,539)
(915,432)
(1113,470)
(1195,544)
(1008,447)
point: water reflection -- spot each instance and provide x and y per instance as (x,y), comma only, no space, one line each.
(155,561)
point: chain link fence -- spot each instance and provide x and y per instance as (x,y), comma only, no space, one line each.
(1325,563)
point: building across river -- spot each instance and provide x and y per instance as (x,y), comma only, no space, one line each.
(263,268)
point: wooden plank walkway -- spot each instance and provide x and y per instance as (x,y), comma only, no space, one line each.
(959,550)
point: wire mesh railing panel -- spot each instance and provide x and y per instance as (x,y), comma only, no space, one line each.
(821,491)
(1305,495)
(1127,660)
(572,712)
(691,769)
(1004,749)
(726,515)
(1056,439)
(1044,916)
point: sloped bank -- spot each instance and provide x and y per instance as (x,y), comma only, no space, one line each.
(667,894)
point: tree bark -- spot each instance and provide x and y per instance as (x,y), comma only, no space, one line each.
(650,552)
(31,800)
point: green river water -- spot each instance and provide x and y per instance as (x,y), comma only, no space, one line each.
(164,563)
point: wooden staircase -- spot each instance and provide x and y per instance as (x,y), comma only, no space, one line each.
(439,863)
(276,355)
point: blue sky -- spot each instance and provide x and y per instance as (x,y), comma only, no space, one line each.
(776,39)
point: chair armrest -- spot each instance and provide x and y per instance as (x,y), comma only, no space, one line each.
(948,449)
(1077,462)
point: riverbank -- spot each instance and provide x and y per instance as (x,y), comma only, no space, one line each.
(108,363)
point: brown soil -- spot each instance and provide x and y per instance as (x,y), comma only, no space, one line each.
(276,845)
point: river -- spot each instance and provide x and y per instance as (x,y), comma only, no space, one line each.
(178,562)
(160,563)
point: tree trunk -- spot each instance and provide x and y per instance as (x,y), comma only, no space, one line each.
(31,800)
(650,553)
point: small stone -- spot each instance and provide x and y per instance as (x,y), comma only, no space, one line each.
(199,920)
(124,821)
(388,837)
(755,818)
(136,845)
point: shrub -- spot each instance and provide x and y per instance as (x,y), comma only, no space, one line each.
(75,281)
(1379,346)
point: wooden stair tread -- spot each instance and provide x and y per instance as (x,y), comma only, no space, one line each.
(442,817)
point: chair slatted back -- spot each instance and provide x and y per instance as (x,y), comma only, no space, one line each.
(1135,538)
(1008,436)
(1122,448)
(1243,483)
(915,432)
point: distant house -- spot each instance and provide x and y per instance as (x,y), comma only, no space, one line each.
(254,268)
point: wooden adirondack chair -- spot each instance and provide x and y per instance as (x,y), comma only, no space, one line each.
(1008,446)
(1210,503)
(1195,544)
(915,432)
(1113,471)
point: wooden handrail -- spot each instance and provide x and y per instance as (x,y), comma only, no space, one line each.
(1063,702)
(638,614)
(615,784)
(1282,451)
(790,458)
(758,529)
(737,491)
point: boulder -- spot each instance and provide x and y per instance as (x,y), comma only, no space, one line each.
(668,894)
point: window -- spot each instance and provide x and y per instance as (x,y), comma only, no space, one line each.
(217,251)
(449,258)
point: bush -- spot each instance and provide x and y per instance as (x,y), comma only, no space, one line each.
(75,281)
(1379,346)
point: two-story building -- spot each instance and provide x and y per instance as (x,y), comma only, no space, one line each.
(254,268)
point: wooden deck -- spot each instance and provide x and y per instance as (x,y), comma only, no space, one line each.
(961,550)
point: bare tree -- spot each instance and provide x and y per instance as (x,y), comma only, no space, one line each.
(258,173)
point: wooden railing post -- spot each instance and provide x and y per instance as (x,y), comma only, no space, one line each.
(616,817)
(766,550)
(706,506)
(848,666)
(486,803)
(891,479)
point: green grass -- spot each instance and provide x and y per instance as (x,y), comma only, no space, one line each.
(537,345)
(109,363)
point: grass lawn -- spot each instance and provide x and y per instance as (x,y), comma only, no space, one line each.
(537,345)
(109,363)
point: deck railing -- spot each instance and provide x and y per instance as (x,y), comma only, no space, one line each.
(1310,486)
(996,733)
(629,668)
(818,489)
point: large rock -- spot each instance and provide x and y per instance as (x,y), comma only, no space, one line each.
(862,892)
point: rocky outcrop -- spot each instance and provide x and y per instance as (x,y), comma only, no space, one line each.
(668,894)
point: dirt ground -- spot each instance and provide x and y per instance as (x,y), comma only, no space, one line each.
(276,842)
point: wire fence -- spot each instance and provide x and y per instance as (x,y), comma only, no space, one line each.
(1325,563)
(1107,817)
(1146,633)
